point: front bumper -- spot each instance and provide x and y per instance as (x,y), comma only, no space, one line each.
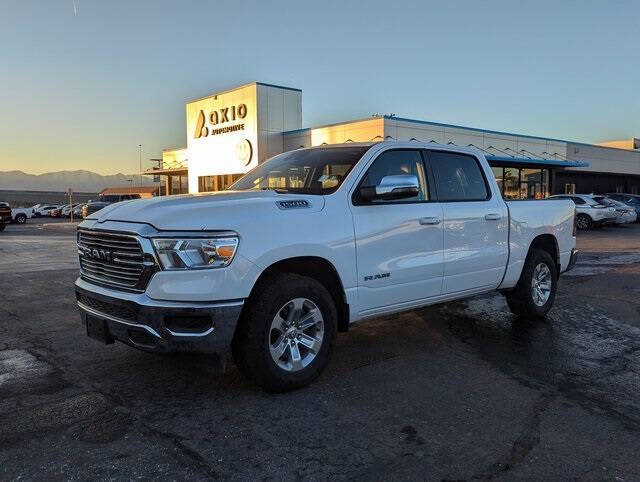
(158,326)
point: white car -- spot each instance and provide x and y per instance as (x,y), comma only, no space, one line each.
(310,242)
(44,210)
(625,214)
(589,212)
(18,215)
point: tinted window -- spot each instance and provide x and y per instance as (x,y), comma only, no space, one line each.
(458,177)
(397,162)
(578,200)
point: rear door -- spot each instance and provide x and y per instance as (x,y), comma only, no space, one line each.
(475,223)
(398,242)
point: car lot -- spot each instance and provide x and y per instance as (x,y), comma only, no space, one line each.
(457,392)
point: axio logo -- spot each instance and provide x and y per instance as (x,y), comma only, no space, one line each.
(217,117)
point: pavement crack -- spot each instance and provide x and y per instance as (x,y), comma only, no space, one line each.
(522,446)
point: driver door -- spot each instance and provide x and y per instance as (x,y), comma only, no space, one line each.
(399,243)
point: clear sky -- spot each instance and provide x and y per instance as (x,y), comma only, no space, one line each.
(83,83)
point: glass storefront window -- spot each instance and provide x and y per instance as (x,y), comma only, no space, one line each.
(511,183)
(522,183)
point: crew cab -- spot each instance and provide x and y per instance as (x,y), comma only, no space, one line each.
(308,243)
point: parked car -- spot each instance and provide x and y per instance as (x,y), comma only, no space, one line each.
(44,210)
(66,211)
(20,215)
(77,211)
(5,215)
(632,200)
(589,213)
(275,266)
(93,207)
(57,212)
(625,214)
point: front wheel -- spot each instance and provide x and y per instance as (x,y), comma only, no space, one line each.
(21,218)
(1,225)
(535,292)
(287,332)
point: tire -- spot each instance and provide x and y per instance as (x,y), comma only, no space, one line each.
(2,225)
(521,300)
(584,222)
(21,218)
(261,333)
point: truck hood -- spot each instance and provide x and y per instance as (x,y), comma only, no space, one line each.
(225,210)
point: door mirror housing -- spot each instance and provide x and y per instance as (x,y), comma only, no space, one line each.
(390,188)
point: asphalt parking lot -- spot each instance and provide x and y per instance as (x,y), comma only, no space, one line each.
(460,391)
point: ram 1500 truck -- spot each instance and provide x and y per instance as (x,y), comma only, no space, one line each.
(309,242)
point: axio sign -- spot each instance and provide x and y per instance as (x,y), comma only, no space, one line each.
(222,134)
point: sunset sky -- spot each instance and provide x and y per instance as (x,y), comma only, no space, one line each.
(83,83)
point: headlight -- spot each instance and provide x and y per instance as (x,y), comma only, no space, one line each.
(195,253)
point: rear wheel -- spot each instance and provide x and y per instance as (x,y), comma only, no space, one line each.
(287,332)
(1,225)
(535,292)
(583,221)
(21,218)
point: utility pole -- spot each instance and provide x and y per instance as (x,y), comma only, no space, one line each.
(140,162)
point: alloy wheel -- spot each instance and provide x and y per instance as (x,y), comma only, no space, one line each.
(296,334)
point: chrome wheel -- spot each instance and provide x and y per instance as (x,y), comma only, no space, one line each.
(296,334)
(541,284)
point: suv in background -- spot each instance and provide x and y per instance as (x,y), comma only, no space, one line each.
(625,214)
(92,207)
(632,200)
(589,212)
(103,201)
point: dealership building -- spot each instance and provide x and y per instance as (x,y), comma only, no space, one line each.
(231,132)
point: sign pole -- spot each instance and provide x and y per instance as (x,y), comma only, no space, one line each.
(70,205)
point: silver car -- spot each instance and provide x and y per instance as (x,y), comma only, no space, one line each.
(625,214)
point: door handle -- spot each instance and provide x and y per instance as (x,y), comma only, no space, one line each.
(429,221)
(492,217)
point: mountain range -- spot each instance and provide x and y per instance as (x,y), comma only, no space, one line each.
(79,181)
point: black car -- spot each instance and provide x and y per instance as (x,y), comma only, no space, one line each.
(93,207)
(5,215)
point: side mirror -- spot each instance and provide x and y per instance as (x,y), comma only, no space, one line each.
(399,186)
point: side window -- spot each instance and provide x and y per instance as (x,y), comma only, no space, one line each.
(458,177)
(578,200)
(397,162)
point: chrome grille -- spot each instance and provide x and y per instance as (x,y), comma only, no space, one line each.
(113,259)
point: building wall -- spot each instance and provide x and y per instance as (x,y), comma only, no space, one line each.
(605,159)
(491,142)
(358,131)
(175,158)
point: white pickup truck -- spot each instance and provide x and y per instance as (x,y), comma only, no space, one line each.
(309,242)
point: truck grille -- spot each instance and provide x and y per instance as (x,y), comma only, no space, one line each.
(113,259)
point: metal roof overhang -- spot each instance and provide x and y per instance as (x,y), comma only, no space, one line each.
(176,171)
(524,161)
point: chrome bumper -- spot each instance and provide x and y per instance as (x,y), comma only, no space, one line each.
(158,326)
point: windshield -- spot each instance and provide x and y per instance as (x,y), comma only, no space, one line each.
(308,171)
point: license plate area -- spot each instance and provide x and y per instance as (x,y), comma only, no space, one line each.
(98,330)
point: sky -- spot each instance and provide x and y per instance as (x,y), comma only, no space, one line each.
(84,82)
